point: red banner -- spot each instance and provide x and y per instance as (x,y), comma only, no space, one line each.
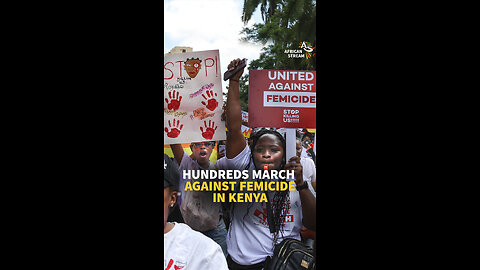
(282,98)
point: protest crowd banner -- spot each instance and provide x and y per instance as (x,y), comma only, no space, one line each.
(287,97)
(193,97)
(244,116)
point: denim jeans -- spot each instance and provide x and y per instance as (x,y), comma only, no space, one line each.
(219,235)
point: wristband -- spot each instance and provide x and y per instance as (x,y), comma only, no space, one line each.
(304,186)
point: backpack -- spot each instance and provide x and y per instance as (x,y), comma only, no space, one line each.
(199,211)
(291,254)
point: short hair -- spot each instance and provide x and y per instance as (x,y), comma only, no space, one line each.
(307,134)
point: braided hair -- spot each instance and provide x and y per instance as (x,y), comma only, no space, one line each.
(280,198)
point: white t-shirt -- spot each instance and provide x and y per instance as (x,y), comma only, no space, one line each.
(221,163)
(249,240)
(309,173)
(304,153)
(186,249)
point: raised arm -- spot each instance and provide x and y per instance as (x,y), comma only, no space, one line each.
(177,152)
(235,139)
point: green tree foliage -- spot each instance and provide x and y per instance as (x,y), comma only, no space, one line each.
(243,93)
(267,9)
(286,24)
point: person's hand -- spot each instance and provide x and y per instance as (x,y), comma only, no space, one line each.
(221,154)
(306,233)
(233,64)
(297,169)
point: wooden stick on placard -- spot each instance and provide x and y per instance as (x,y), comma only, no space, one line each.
(291,141)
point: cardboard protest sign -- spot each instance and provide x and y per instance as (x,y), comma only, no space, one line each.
(245,116)
(192,97)
(246,131)
(282,98)
(291,145)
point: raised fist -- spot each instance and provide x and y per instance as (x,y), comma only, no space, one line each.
(212,102)
(234,64)
(209,131)
(174,102)
(175,130)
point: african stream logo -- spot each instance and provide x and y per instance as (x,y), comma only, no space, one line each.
(305,51)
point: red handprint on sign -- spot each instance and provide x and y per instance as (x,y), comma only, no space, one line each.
(174,102)
(209,131)
(175,130)
(212,102)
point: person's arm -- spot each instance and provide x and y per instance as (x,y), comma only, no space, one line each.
(178,152)
(235,139)
(309,211)
(313,169)
(314,176)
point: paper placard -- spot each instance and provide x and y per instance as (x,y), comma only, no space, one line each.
(192,98)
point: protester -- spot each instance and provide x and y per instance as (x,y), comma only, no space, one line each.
(307,144)
(309,175)
(249,239)
(307,136)
(309,170)
(221,163)
(197,207)
(184,248)
(221,149)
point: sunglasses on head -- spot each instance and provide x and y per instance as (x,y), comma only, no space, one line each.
(207,144)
